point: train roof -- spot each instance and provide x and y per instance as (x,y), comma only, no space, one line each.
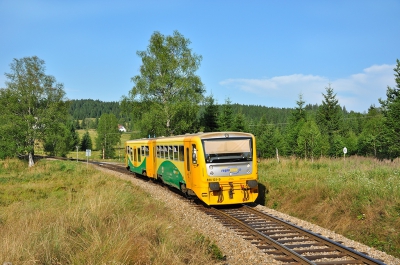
(201,135)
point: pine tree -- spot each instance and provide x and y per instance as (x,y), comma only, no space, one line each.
(296,121)
(86,142)
(369,141)
(309,140)
(329,118)
(391,112)
(239,123)
(225,119)
(209,119)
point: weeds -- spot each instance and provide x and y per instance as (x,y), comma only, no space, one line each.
(63,213)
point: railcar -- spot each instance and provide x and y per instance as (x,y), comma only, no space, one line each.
(219,168)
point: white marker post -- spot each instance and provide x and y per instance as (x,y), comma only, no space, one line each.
(88,153)
(344,153)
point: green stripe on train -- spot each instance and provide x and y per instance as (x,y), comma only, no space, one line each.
(170,174)
(140,168)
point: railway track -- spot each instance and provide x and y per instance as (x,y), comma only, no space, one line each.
(286,242)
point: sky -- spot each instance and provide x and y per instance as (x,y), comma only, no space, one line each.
(255,52)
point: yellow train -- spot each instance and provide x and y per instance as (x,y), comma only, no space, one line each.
(219,168)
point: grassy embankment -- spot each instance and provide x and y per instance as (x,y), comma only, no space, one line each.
(61,212)
(357,197)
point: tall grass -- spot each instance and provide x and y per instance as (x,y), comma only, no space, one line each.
(357,197)
(65,213)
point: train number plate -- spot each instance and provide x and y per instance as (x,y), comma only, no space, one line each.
(213,179)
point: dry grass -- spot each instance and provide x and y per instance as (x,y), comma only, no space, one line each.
(63,213)
(357,197)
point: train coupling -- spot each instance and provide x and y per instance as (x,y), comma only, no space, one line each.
(231,190)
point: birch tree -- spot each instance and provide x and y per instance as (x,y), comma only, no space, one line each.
(32,104)
(167,92)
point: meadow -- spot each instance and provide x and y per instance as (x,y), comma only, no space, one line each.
(63,212)
(357,197)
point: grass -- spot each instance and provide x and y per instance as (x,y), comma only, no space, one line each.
(61,212)
(357,197)
(96,155)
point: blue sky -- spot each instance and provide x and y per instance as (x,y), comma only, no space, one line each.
(254,52)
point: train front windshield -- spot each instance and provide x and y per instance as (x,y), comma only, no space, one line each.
(228,150)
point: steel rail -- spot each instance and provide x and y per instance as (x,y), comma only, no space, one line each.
(323,240)
(265,239)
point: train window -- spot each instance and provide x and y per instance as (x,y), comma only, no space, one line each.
(181,156)
(146,150)
(158,151)
(170,153)
(176,154)
(134,154)
(194,154)
(165,152)
(139,159)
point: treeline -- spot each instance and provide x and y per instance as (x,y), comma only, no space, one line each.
(89,108)
(86,112)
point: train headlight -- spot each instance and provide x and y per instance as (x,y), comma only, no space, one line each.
(210,167)
(214,186)
(252,183)
(211,173)
(248,165)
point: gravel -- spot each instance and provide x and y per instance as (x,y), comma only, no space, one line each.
(237,250)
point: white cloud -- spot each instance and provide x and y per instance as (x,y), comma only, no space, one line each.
(356,92)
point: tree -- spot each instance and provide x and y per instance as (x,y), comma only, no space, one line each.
(86,142)
(209,118)
(166,95)
(266,143)
(33,105)
(226,117)
(369,140)
(62,139)
(309,140)
(391,112)
(329,118)
(108,135)
(296,121)
(239,123)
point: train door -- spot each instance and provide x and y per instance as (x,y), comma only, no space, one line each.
(150,157)
(194,165)
(188,162)
(134,161)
